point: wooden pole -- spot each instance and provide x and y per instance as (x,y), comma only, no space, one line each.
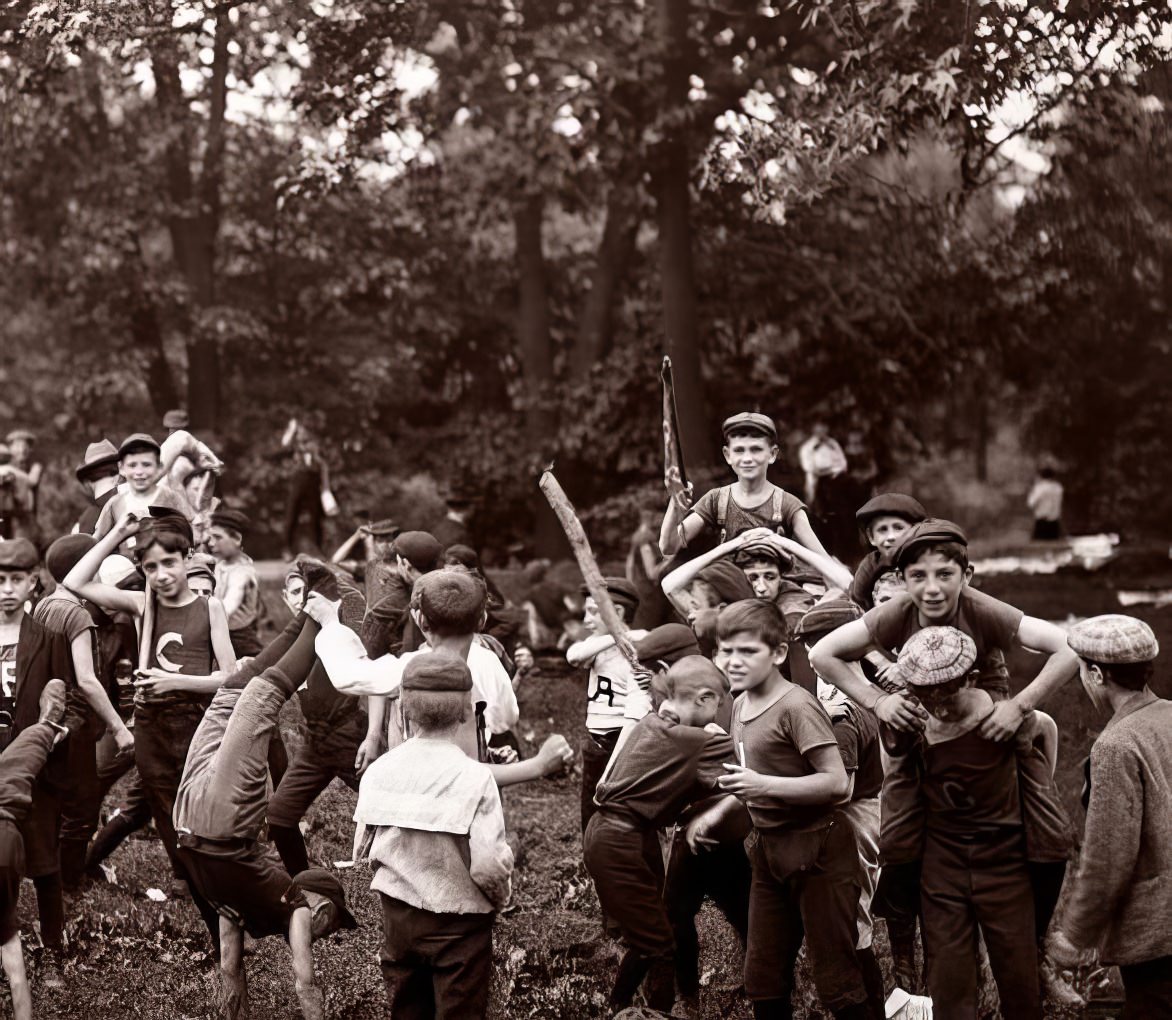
(576,534)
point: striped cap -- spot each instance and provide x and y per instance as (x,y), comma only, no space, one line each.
(1114,639)
(936,655)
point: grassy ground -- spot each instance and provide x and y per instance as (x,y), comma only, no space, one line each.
(131,957)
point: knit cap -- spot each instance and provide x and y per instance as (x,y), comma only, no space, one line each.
(436,671)
(1114,639)
(936,655)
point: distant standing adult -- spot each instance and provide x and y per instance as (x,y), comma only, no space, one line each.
(454,528)
(305,485)
(98,475)
(1045,500)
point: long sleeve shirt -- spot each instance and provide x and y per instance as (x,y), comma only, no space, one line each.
(353,672)
(1122,899)
(436,829)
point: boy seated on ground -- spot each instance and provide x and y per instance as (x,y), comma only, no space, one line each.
(219,814)
(975,871)
(750,446)
(611,681)
(667,761)
(805,854)
(430,820)
(20,763)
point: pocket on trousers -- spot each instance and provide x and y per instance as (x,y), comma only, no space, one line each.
(794,852)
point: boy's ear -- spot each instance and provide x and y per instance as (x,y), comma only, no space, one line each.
(727,455)
(968,573)
(774,450)
(780,652)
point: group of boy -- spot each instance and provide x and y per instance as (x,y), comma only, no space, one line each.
(909,776)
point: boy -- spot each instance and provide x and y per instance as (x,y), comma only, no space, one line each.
(20,445)
(219,812)
(608,685)
(61,613)
(140,465)
(415,553)
(98,475)
(31,656)
(20,765)
(378,565)
(805,859)
(974,858)
(1120,900)
(668,761)
(237,584)
(750,446)
(431,822)
(881,520)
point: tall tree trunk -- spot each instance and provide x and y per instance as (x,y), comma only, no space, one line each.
(596,324)
(673,202)
(536,355)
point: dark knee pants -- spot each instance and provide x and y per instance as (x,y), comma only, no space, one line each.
(721,872)
(435,964)
(81,805)
(1147,989)
(982,885)
(596,751)
(805,884)
(304,494)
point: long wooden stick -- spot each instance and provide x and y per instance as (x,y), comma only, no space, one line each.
(587,564)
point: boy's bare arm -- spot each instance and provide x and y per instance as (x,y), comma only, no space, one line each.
(80,579)
(582,653)
(827,784)
(375,742)
(12,955)
(221,638)
(309,995)
(804,534)
(82,652)
(833,573)
(1062,664)
(675,523)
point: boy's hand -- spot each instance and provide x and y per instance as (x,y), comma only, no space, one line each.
(1004,721)
(320,609)
(370,749)
(755,535)
(152,683)
(900,713)
(698,833)
(555,754)
(743,783)
(127,525)
(124,741)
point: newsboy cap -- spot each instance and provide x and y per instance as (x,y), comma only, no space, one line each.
(936,655)
(1113,639)
(750,421)
(436,671)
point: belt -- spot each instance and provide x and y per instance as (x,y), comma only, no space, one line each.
(190,841)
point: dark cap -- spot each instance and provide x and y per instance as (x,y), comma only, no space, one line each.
(65,553)
(320,881)
(163,520)
(750,421)
(233,520)
(763,550)
(176,419)
(621,591)
(928,532)
(419,548)
(136,442)
(823,617)
(18,554)
(436,671)
(890,504)
(667,643)
(727,580)
(100,458)
(201,565)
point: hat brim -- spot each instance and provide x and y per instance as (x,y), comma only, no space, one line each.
(93,467)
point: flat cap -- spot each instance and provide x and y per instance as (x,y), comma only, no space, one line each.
(385,528)
(762,550)
(176,419)
(890,504)
(1113,639)
(136,442)
(320,881)
(18,554)
(823,617)
(936,655)
(201,565)
(18,434)
(420,549)
(927,532)
(65,553)
(234,520)
(98,456)
(619,589)
(667,643)
(436,671)
(750,421)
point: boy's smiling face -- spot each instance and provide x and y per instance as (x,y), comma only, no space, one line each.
(884,531)
(747,660)
(935,582)
(749,456)
(140,469)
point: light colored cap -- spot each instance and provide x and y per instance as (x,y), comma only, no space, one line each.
(115,569)
(1114,639)
(936,655)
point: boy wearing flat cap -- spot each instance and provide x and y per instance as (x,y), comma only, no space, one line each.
(1120,901)
(237,583)
(668,761)
(750,446)
(611,680)
(218,816)
(976,839)
(430,820)
(881,520)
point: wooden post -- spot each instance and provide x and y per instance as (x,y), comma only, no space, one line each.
(587,564)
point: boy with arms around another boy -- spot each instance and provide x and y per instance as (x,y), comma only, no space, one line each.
(805,860)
